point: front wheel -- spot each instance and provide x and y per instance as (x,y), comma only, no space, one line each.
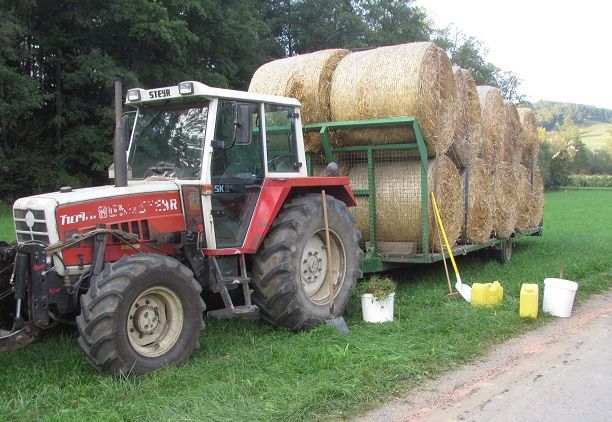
(289,277)
(142,313)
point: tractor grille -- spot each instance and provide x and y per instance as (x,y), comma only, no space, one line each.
(31,225)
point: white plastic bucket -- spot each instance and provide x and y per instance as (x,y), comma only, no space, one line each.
(375,310)
(559,296)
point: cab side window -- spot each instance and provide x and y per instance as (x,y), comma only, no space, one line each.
(281,139)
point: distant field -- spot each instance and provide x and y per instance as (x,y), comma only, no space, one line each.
(595,134)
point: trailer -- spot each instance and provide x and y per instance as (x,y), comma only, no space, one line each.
(381,255)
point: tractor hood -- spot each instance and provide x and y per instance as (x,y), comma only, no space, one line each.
(99,192)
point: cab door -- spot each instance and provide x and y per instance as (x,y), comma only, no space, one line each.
(237,171)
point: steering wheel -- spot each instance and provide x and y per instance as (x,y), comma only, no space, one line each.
(161,168)
(281,159)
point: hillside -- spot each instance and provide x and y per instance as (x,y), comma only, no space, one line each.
(595,134)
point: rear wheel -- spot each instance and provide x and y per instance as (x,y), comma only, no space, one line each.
(142,313)
(289,277)
(504,253)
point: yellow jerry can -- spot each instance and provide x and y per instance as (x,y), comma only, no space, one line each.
(487,294)
(529,301)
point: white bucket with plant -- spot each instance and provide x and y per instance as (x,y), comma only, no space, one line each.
(377,298)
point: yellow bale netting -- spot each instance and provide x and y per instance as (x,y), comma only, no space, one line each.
(467,140)
(403,80)
(493,122)
(526,203)
(514,138)
(531,149)
(398,200)
(537,209)
(306,77)
(505,181)
(480,201)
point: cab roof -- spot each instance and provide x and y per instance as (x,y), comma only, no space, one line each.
(200,90)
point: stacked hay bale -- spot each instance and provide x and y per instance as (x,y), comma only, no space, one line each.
(467,139)
(531,148)
(529,159)
(398,200)
(537,198)
(403,80)
(526,202)
(480,204)
(506,181)
(514,138)
(485,137)
(306,77)
(493,122)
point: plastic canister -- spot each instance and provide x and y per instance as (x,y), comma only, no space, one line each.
(529,301)
(487,294)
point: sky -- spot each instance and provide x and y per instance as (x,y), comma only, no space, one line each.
(562,50)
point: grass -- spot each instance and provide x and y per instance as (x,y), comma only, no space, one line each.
(7,231)
(595,134)
(250,371)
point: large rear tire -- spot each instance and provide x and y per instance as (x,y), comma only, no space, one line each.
(289,275)
(142,313)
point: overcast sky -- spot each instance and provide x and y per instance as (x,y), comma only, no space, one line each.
(561,49)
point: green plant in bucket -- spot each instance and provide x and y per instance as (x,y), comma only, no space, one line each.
(378,286)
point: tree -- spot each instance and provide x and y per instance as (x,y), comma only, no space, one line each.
(468,53)
(508,83)
(560,169)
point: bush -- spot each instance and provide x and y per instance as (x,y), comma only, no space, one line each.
(591,181)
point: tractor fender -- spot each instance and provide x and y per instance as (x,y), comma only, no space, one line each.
(274,194)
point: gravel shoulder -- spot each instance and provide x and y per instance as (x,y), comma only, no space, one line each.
(567,364)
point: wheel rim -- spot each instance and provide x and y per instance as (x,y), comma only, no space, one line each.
(155,321)
(313,267)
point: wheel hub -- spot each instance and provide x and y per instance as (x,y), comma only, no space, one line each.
(146,319)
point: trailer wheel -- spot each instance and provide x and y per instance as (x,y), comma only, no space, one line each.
(504,253)
(289,275)
(142,313)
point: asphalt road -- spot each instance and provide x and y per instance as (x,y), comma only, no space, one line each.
(559,372)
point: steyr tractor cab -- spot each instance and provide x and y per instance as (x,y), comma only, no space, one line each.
(218,204)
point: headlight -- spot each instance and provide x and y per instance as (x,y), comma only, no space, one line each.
(185,88)
(133,95)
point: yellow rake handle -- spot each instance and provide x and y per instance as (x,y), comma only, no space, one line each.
(448,248)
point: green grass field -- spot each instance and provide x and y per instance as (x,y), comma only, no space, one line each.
(250,371)
(7,231)
(595,134)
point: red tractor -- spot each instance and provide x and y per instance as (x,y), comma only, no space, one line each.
(218,204)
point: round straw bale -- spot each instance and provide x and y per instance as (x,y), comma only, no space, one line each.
(514,138)
(525,204)
(403,80)
(467,140)
(493,122)
(478,182)
(506,199)
(537,210)
(306,77)
(531,149)
(398,200)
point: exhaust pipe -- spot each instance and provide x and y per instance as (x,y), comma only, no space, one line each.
(119,154)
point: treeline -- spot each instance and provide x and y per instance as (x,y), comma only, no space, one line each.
(552,114)
(58,59)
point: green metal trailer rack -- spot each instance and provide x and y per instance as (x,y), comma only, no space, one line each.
(375,259)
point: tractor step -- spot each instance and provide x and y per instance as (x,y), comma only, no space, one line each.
(241,312)
(243,280)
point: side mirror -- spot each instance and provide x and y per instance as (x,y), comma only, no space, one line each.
(243,124)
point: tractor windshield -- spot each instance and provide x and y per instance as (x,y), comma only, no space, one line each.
(168,141)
